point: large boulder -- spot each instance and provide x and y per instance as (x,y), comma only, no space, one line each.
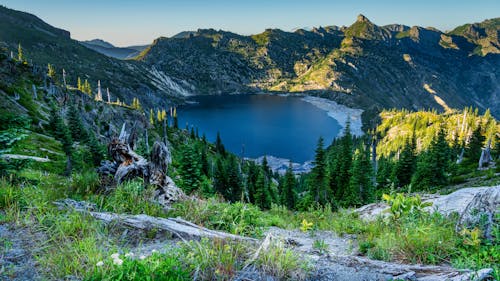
(471,204)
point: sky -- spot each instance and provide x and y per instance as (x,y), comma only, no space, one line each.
(139,22)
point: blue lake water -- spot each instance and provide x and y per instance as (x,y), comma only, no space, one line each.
(257,125)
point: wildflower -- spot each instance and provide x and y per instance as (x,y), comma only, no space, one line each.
(128,255)
(100,263)
(306,226)
(154,251)
(115,256)
(142,257)
(118,261)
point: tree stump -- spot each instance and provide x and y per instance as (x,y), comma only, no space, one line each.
(127,165)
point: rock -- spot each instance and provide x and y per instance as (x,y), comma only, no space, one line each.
(67,203)
(358,268)
(471,204)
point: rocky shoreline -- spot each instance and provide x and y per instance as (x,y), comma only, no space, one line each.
(340,113)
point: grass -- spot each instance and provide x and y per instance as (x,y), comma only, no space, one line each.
(282,263)
(131,198)
(160,267)
(73,243)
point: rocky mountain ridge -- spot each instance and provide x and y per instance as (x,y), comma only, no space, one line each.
(363,66)
(110,50)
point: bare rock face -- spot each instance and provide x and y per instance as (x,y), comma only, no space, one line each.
(471,204)
(486,204)
(463,201)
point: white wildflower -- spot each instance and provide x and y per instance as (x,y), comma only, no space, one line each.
(118,261)
(154,251)
(101,263)
(128,255)
(142,257)
(115,256)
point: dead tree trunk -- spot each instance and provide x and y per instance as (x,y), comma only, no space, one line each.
(127,165)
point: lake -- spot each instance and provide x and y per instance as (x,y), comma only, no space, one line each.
(257,125)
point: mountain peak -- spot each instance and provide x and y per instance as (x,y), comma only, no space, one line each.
(362,18)
(99,42)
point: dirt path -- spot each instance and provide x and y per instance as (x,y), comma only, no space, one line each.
(16,259)
(337,259)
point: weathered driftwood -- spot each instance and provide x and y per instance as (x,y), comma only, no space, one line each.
(127,165)
(179,227)
(411,271)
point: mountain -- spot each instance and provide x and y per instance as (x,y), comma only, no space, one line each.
(485,35)
(109,50)
(363,65)
(44,44)
(98,43)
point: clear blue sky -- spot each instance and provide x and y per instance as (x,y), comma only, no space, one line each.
(128,22)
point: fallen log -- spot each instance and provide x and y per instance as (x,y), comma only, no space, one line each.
(410,271)
(178,227)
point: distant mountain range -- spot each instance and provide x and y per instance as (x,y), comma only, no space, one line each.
(109,50)
(363,65)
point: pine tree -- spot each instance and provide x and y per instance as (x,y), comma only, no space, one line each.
(433,164)
(158,115)
(251,179)
(234,180)
(219,147)
(345,158)
(176,122)
(384,172)
(205,167)
(96,149)
(288,190)
(163,113)
(87,88)
(190,169)
(265,167)
(406,165)
(51,72)
(136,104)
(340,165)
(79,84)
(318,188)
(361,189)
(473,151)
(60,130)
(262,194)
(75,124)
(220,178)
(151,118)
(20,56)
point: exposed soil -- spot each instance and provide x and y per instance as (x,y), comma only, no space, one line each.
(17,246)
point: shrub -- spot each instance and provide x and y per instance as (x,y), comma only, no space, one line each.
(400,205)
